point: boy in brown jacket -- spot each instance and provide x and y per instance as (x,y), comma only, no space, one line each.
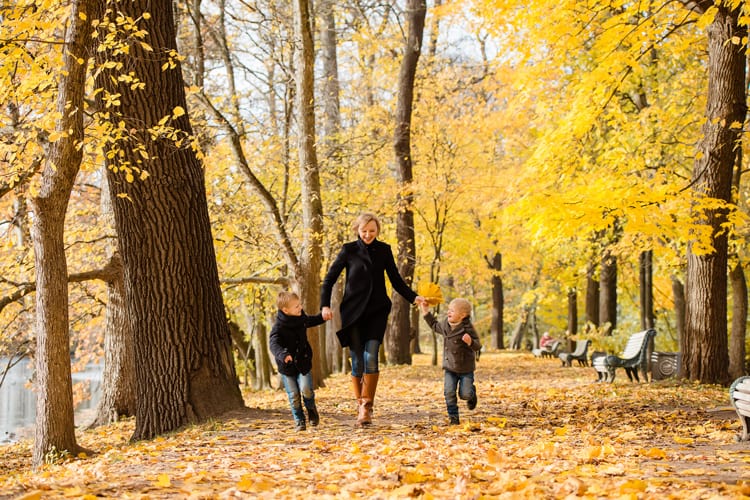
(460,345)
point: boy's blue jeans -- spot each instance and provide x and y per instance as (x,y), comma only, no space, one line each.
(464,382)
(299,389)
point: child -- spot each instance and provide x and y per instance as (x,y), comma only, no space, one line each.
(293,355)
(459,349)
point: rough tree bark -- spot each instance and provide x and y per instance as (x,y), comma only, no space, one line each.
(54,430)
(184,364)
(592,298)
(705,345)
(498,302)
(645,268)
(608,293)
(311,254)
(397,339)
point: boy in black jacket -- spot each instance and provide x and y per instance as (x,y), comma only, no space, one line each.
(293,355)
(460,346)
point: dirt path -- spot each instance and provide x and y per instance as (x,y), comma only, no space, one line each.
(539,431)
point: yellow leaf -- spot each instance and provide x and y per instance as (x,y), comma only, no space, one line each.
(683,440)
(162,481)
(32,495)
(633,486)
(415,477)
(178,111)
(655,453)
(498,421)
(431,292)
(561,431)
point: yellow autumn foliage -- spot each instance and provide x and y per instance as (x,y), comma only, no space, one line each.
(431,292)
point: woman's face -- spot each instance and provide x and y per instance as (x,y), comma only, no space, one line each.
(368,232)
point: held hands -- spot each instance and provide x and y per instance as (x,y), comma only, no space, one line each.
(288,358)
(466,338)
(423,307)
(326,313)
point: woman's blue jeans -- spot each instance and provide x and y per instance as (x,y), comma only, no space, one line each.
(299,389)
(364,356)
(464,383)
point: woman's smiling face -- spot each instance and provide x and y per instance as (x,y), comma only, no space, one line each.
(368,232)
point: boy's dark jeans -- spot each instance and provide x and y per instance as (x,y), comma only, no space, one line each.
(464,383)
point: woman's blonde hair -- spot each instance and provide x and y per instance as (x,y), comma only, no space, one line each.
(363,219)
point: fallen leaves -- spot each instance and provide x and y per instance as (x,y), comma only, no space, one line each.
(540,431)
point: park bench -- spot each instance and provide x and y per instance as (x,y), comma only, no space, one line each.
(634,358)
(739,395)
(549,351)
(580,354)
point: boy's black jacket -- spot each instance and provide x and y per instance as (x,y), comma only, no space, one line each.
(289,337)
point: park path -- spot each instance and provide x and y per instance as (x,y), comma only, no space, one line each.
(540,431)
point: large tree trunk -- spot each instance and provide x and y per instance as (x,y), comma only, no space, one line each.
(184,363)
(311,255)
(608,293)
(55,427)
(333,348)
(397,340)
(592,298)
(498,302)
(739,322)
(705,355)
(645,268)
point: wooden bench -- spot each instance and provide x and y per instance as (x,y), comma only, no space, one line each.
(739,395)
(547,352)
(634,358)
(580,354)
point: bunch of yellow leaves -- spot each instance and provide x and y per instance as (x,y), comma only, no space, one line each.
(431,292)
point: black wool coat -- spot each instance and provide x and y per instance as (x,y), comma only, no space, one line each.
(289,337)
(365,295)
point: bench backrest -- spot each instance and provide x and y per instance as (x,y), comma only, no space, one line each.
(581,348)
(636,344)
(740,395)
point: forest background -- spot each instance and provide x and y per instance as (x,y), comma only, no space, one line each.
(585,155)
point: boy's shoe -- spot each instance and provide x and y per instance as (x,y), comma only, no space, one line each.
(300,426)
(453,420)
(471,403)
(313,416)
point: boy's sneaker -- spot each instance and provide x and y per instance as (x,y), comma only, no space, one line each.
(300,426)
(313,416)
(453,420)
(471,403)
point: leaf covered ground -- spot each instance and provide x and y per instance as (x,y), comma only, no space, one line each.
(539,431)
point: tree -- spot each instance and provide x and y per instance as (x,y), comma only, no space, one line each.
(54,429)
(308,277)
(184,363)
(397,339)
(705,355)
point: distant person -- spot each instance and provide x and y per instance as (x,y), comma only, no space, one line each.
(546,341)
(460,345)
(365,306)
(293,354)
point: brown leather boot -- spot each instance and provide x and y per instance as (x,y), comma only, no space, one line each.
(369,386)
(357,389)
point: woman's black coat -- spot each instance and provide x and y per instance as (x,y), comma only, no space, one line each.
(365,294)
(289,337)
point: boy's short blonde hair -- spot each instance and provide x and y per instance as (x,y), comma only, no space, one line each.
(462,306)
(365,218)
(285,298)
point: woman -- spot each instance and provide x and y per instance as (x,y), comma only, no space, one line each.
(365,306)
